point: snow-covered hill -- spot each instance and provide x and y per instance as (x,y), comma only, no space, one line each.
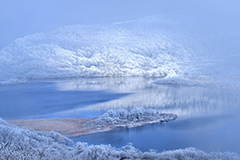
(144,47)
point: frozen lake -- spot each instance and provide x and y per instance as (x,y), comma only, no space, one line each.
(208,117)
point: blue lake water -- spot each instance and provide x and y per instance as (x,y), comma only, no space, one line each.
(40,99)
(208,117)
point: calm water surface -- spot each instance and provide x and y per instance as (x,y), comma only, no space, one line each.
(208,117)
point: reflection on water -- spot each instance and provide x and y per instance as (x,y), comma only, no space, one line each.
(41,99)
(87,97)
(182,100)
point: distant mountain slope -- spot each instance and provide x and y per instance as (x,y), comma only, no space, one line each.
(144,47)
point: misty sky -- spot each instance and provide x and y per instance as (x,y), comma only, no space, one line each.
(23,17)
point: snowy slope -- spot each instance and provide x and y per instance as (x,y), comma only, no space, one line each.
(144,47)
(17,143)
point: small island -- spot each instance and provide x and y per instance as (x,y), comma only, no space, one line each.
(73,127)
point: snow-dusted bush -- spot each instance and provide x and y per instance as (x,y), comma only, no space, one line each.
(130,118)
(17,144)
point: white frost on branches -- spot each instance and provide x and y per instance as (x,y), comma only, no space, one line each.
(130,118)
(18,143)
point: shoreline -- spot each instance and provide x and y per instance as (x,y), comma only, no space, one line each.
(70,127)
(74,127)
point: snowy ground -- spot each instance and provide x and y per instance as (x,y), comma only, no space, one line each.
(17,143)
